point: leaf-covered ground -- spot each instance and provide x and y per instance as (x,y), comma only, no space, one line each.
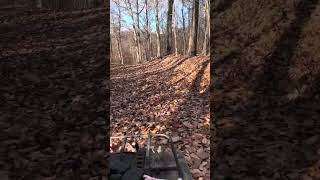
(52,93)
(266,89)
(169,95)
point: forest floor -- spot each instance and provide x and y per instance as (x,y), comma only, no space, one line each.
(170,96)
(53,94)
(266,90)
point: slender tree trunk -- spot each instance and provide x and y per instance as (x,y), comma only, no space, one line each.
(204,46)
(175,31)
(136,44)
(119,35)
(169,26)
(183,29)
(190,17)
(157,28)
(149,31)
(149,50)
(136,28)
(206,42)
(138,33)
(192,50)
(118,39)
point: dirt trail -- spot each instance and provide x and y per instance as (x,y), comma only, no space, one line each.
(166,96)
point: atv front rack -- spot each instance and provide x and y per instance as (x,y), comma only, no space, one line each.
(144,161)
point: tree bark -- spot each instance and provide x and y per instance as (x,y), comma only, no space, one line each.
(157,28)
(138,32)
(183,29)
(119,35)
(118,39)
(206,47)
(175,31)
(136,28)
(169,26)
(190,22)
(192,50)
(116,22)
(149,46)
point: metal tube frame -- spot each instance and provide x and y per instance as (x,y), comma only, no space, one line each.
(147,165)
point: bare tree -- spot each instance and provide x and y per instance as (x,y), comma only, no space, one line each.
(192,50)
(183,28)
(206,43)
(156,4)
(189,20)
(175,30)
(169,26)
(149,43)
(138,30)
(136,26)
(118,31)
(132,37)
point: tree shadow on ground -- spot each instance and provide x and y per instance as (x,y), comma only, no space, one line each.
(194,92)
(272,137)
(144,105)
(166,69)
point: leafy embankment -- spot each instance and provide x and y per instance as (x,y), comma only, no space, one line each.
(53,97)
(266,79)
(168,95)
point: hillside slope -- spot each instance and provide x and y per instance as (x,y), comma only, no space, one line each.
(53,67)
(266,77)
(166,96)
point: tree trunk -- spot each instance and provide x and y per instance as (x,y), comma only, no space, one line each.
(190,21)
(136,43)
(169,27)
(136,29)
(157,28)
(206,43)
(149,48)
(118,39)
(175,31)
(192,50)
(119,35)
(138,33)
(183,29)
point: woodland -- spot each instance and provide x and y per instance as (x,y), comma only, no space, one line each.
(250,111)
(144,30)
(160,74)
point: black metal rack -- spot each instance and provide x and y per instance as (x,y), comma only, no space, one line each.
(143,157)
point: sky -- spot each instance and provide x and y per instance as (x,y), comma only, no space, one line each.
(126,19)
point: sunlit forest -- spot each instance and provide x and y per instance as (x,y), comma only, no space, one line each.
(145,29)
(160,74)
